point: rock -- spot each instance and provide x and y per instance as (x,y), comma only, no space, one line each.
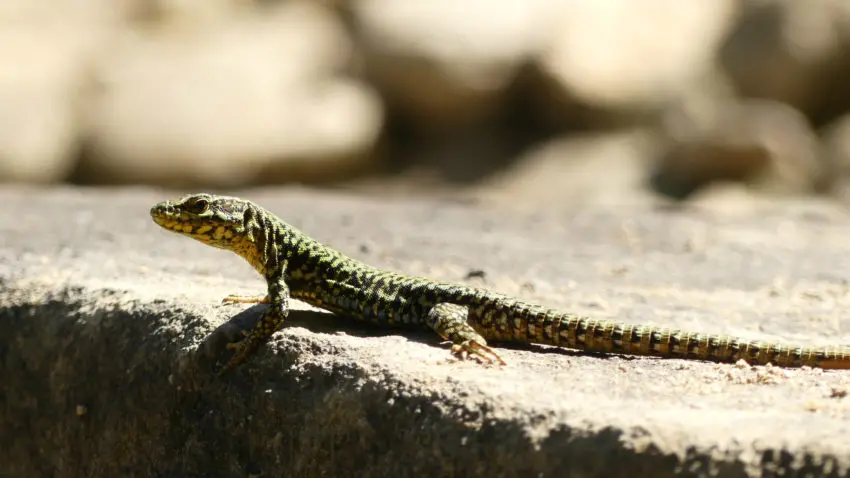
(251,98)
(46,50)
(836,154)
(765,144)
(794,52)
(445,64)
(624,58)
(111,327)
(578,169)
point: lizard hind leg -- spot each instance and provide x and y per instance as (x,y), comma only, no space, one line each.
(450,322)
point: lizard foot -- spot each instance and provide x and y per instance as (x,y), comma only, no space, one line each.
(245,299)
(470,348)
(242,349)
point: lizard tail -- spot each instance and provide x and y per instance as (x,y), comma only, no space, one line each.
(612,337)
(508,319)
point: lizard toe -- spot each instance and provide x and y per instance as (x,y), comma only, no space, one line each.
(245,299)
(484,353)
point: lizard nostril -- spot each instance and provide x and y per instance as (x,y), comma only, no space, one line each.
(161,209)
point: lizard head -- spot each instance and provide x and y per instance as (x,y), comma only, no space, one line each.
(215,220)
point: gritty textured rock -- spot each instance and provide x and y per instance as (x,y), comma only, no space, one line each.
(109,328)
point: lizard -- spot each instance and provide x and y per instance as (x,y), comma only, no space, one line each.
(296,266)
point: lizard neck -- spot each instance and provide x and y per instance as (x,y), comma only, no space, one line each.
(264,242)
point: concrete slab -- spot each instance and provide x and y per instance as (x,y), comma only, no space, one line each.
(109,327)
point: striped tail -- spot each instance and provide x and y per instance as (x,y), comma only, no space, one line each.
(508,320)
(604,336)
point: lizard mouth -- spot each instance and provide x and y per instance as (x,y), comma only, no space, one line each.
(171,218)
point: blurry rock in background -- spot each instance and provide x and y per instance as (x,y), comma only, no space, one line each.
(542,100)
(764,144)
(255,95)
(793,52)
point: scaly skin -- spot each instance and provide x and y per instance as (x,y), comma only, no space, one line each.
(296,266)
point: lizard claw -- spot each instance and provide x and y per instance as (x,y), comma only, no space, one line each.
(469,348)
(245,299)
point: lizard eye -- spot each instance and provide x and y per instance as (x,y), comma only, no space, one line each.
(199,206)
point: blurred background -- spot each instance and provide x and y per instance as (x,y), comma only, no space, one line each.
(542,100)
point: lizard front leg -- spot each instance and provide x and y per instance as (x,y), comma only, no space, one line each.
(450,322)
(278,299)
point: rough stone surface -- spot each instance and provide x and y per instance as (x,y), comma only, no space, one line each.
(109,327)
